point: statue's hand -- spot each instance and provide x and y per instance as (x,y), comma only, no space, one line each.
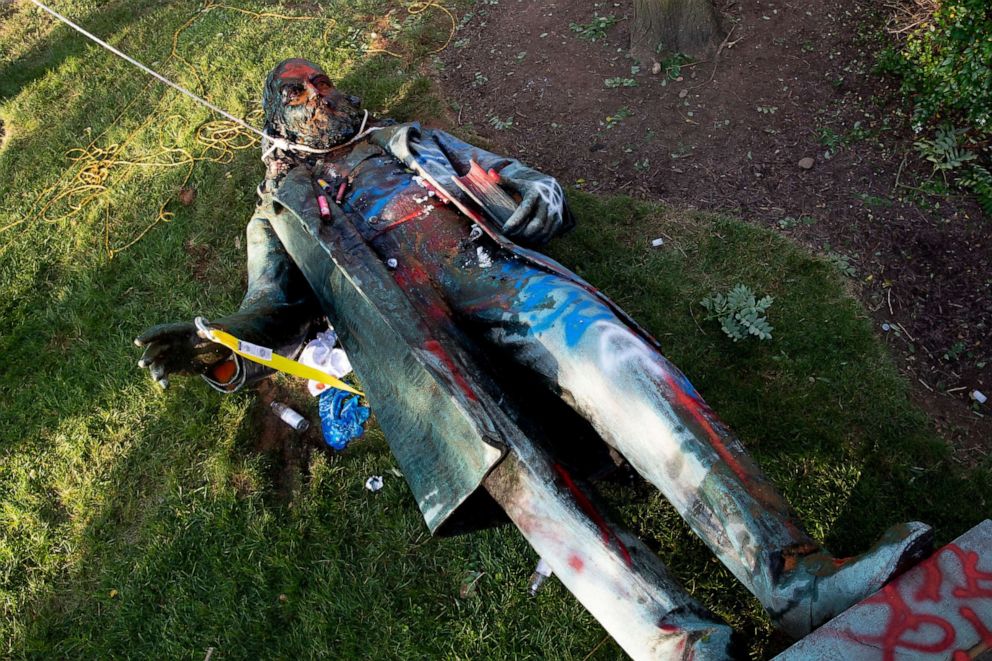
(541,212)
(177,349)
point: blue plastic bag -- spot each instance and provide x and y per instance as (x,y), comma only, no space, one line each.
(342,418)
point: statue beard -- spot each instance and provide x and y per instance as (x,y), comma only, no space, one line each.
(317,123)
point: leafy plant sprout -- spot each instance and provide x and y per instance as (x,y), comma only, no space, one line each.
(620,82)
(740,313)
(595,29)
(501,124)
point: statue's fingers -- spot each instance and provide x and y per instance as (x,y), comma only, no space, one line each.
(161,332)
(534,228)
(551,224)
(153,351)
(511,185)
(157,371)
(522,213)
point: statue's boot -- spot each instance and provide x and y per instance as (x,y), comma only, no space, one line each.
(645,408)
(611,572)
(815,587)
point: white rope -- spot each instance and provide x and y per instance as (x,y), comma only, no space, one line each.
(277,142)
(286,145)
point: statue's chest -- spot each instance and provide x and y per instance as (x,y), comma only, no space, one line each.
(379,189)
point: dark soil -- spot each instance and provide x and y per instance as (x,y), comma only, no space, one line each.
(791,82)
(286,450)
(200,255)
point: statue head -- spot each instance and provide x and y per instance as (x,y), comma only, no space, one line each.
(302,105)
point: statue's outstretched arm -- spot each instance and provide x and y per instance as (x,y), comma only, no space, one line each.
(277,311)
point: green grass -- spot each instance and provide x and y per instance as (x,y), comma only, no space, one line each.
(137,523)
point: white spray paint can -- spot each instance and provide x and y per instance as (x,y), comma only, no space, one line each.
(542,571)
(290,417)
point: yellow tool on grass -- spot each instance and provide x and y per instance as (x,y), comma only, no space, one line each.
(269,358)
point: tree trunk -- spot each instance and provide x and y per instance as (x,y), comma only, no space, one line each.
(663,27)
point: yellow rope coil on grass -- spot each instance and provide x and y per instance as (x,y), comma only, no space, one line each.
(420,7)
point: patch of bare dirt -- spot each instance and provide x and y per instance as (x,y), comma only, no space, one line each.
(287,451)
(793,83)
(201,259)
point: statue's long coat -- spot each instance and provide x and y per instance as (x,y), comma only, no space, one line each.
(437,408)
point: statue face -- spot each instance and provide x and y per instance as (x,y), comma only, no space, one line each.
(302,105)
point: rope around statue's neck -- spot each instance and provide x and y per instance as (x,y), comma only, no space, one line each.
(285,145)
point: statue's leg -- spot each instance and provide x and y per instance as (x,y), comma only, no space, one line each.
(618,579)
(643,406)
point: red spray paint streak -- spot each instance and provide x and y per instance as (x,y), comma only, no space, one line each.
(593,513)
(413,277)
(417,213)
(973,620)
(694,406)
(972,575)
(903,620)
(930,588)
(435,348)
(410,275)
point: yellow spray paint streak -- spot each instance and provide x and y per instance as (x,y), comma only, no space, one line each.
(269,358)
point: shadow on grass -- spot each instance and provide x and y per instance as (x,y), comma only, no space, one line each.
(821,406)
(64,43)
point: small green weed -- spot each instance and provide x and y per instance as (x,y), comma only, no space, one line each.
(595,29)
(501,124)
(841,262)
(978,180)
(830,139)
(672,65)
(955,351)
(944,151)
(740,313)
(620,82)
(874,200)
(789,222)
(617,117)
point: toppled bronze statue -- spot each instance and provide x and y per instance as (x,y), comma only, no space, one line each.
(430,296)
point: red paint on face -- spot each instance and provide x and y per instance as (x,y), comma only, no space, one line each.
(300,82)
(435,348)
(576,563)
(297,69)
(590,510)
